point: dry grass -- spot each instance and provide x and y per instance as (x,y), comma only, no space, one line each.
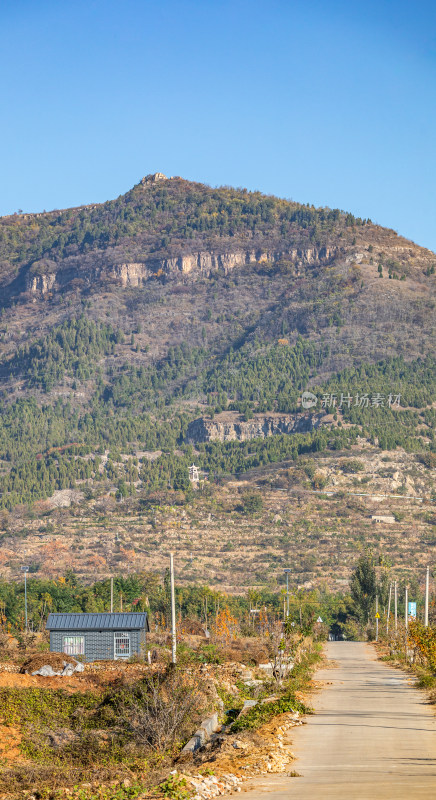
(230,551)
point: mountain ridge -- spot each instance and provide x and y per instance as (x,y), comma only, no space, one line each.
(154,178)
(165,220)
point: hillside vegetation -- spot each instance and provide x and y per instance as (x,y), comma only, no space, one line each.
(121,323)
(157,215)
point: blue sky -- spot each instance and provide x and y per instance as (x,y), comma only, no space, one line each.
(331,103)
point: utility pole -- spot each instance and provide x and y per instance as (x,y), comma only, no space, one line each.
(427,586)
(389,609)
(112,595)
(396,605)
(406,609)
(173,613)
(406,621)
(287,571)
(376,618)
(205,612)
(25,570)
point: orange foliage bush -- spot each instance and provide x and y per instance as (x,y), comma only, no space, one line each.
(226,625)
(424,641)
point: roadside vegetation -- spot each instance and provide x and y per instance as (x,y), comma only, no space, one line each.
(412,646)
(117,730)
(413,649)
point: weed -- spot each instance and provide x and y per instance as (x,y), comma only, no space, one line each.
(174,788)
(426,680)
(264,712)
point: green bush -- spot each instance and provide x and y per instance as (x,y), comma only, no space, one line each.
(352,465)
(263,712)
(209,654)
(252,503)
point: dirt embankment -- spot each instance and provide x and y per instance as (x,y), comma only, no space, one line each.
(10,740)
(95,677)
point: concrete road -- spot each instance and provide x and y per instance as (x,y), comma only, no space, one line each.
(372,736)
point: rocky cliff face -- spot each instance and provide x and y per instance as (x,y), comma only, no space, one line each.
(226,428)
(40,284)
(40,280)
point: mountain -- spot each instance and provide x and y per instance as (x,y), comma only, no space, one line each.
(272,263)
(182,322)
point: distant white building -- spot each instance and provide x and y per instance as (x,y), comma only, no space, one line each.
(193,474)
(379,518)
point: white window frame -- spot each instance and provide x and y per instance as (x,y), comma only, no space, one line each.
(73,645)
(122,636)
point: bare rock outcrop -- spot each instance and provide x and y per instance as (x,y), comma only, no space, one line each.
(40,284)
(155,177)
(229,427)
(41,280)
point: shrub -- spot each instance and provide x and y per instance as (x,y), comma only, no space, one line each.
(310,470)
(352,465)
(428,459)
(160,710)
(263,712)
(423,639)
(209,654)
(252,503)
(319,481)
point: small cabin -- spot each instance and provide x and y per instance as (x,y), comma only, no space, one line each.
(99,637)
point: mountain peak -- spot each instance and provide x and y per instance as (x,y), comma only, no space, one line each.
(153,178)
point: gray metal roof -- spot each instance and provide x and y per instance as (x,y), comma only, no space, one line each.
(131,620)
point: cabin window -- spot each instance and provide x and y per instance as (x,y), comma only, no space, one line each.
(122,645)
(73,645)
